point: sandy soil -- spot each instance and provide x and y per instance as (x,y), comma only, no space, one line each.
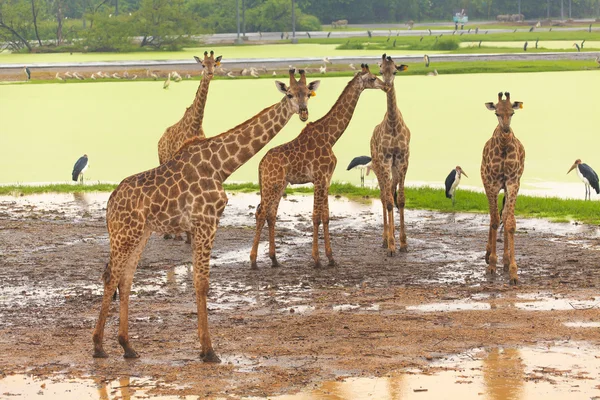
(282,330)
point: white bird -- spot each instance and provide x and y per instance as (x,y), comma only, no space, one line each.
(68,75)
(58,77)
(93,76)
(177,79)
(254,73)
(230,74)
(323,69)
(326,59)
(116,76)
(351,66)
(134,77)
(452,181)
(167,82)
(274,73)
(434,73)
(153,76)
(77,76)
(245,72)
(175,75)
(125,74)
(598,61)
(188,76)
(100,74)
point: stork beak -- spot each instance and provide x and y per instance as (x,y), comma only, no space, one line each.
(465,174)
(572,168)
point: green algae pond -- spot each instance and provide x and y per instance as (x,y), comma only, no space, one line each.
(45,128)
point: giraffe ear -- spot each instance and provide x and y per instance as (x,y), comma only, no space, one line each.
(314,85)
(402,67)
(517,105)
(490,106)
(281,86)
(218,60)
(198,59)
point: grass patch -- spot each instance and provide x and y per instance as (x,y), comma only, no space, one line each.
(423,198)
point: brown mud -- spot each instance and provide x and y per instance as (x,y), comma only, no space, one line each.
(285,330)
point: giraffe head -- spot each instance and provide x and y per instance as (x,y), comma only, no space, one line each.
(504,110)
(209,63)
(388,69)
(370,81)
(298,93)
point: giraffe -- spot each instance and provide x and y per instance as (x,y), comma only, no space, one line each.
(389,153)
(185,194)
(190,125)
(501,168)
(308,158)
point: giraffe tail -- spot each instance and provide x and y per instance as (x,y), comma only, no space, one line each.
(396,197)
(503,204)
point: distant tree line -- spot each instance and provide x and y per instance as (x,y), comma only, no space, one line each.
(109,25)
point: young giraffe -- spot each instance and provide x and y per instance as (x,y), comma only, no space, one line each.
(308,158)
(190,125)
(185,194)
(501,168)
(389,153)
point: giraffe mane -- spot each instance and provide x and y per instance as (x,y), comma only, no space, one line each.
(197,139)
(340,97)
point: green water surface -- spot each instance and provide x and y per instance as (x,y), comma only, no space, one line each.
(45,128)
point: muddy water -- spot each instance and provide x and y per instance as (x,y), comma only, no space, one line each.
(556,371)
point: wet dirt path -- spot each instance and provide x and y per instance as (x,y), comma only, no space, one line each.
(287,330)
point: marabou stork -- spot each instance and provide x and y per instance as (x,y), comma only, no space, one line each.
(588,176)
(362,163)
(452,181)
(79,168)
(27,72)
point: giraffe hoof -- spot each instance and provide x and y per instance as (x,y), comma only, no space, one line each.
(403,249)
(210,357)
(100,353)
(487,257)
(318,264)
(491,271)
(332,263)
(276,264)
(179,238)
(187,241)
(167,236)
(253,265)
(391,253)
(384,245)
(131,354)
(513,281)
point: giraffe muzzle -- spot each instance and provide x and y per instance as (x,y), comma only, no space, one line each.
(303,114)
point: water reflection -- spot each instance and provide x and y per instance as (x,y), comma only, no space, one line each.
(503,374)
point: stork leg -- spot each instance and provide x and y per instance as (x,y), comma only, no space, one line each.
(362,178)
(453,199)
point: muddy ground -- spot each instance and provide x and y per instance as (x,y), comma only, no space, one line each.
(284,330)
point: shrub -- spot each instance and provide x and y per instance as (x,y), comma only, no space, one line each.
(446,44)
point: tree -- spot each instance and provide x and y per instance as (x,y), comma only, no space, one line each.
(161,22)
(15,23)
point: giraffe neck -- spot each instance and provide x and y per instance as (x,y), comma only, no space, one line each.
(334,123)
(393,115)
(503,138)
(196,114)
(239,144)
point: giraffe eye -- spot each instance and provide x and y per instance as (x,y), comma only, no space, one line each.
(497,115)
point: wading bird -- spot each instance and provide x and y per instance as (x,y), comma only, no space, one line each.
(598,61)
(27,72)
(429,32)
(370,34)
(79,168)
(452,181)
(426,58)
(531,29)
(352,67)
(434,73)
(394,44)
(93,77)
(323,69)
(68,75)
(167,82)
(57,76)
(230,74)
(361,163)
(116,75)
(588,176)
(525,46)
(329,34)
(326,60)
(581,45)
(536,43)
(577,46)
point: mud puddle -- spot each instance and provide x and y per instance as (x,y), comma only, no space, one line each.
(553,372)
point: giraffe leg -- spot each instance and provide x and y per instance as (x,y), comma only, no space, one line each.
(271,219)
(401,201)
(384,188)
(490,255)
(506,254)
(115,268)
(325,218)
(204,236)
(510,226)
(188,238)
(316,217)
(261,215)
(124,291)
